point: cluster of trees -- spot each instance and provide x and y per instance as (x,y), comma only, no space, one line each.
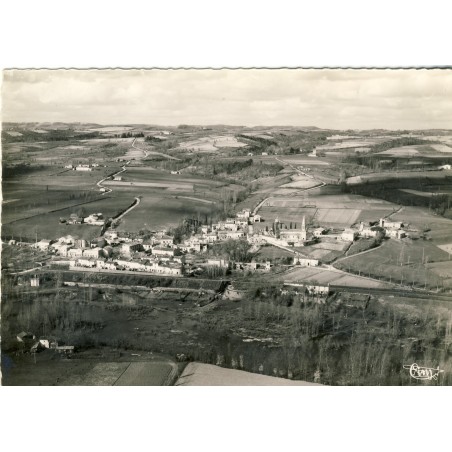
(130,135)
(234,250)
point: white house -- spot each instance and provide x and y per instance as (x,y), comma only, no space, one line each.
(305,262)
(92,252)
(349,235)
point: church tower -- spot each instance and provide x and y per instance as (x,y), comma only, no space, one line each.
(303,230)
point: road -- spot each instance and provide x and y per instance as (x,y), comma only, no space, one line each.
(138,200)
(146,152)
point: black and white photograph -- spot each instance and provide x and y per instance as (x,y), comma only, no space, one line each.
(226,227)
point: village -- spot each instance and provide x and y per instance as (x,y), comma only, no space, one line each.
(158,253)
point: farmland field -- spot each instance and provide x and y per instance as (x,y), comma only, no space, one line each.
(211,143)
(198,374)
(399,261)
(325,276)
(145,374)
(159,211)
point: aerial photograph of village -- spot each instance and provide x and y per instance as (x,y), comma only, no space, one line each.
(226,227)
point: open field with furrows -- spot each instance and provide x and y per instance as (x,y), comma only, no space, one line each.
(146,176)
(402,262)
(271,253)
(211,143)
(50,370)
(326,210)
(325,251)
(324,276)
(418,150)
(159,211)
(198,374)
(47,226)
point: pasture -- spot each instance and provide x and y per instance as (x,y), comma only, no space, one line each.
(324,276)
(160,211)
(400,262)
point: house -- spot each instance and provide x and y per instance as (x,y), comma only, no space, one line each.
(85,262)
(305,262)
(95,219)
(255,218)
(45,343)
(34,282)
(318,290)
(162,251)
(69,166)
(43,244)
(92,252)
(175,172)
(83,168)
(222,263)
(75,252)
(390,224)
(348,235)
(65,349)
(74,219)
(373,231)
(396,233)
(318,232)
(106,265)
(128,248)
(103,190)
(166,240)
(250,154)
(12,242)
(117,178)
(264,153)
(244,214)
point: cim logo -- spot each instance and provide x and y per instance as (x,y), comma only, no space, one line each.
(423,373)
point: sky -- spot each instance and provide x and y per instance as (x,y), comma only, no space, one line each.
(336,99)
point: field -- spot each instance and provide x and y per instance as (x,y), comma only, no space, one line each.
(324,276)
(211,143)
(51,371)
(161,211)
(418,150)
(326,210)
(47,226)
(400,262)
(198,374)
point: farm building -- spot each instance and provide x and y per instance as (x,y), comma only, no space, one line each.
(225,235)
(373,231)
(390,224)
(255,218)
(305,262)
(318,232)
(83,168)
(43,245)
(349,235)
(117,178)
(445,167)
(175,172)
(396,233)
(244,214)
(66,349)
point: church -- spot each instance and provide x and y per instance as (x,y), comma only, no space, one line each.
(295,237)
